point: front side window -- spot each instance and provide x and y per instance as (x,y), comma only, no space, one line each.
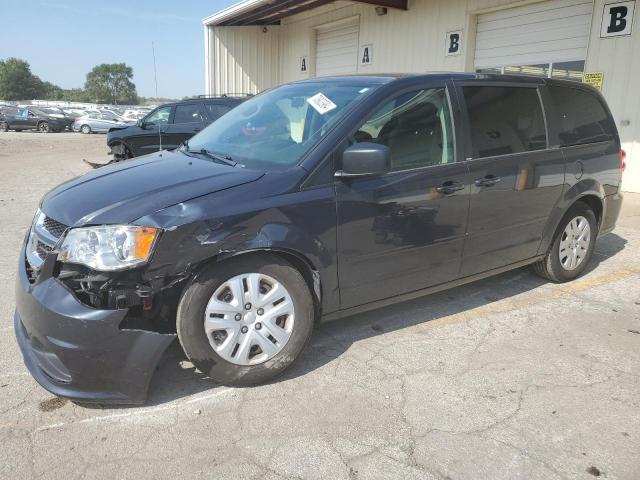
(274,130)
(159,116)
(504,120)
(580,116)
(417,128)
(189,113)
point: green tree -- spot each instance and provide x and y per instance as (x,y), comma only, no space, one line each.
(17,82)
(111,83)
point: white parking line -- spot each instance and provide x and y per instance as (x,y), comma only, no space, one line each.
(138,413)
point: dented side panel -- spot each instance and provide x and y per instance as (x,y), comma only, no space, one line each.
(217,226)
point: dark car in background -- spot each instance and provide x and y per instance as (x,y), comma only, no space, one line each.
(168,126)
(34,118)
(310,202)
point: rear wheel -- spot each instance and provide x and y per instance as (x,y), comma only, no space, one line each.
(572,247)
(86,129)
(44,127)
(4,127)
(245,320)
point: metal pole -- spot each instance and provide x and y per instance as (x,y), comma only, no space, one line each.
(155,76)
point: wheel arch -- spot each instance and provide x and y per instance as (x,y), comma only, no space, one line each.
(590,193)
(298,260)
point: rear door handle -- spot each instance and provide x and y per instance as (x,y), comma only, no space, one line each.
(488,181)
(197,129)
(449,187)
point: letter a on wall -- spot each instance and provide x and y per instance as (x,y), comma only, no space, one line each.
(366,54)
(617,19)
(304,64)
(453,43)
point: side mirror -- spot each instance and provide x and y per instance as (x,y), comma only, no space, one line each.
(365,159)
(140,123)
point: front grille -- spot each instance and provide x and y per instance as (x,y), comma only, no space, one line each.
(42,249)
(45,234)
(54,227)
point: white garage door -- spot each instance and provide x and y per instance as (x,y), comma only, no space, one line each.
(337,48)
(545,32)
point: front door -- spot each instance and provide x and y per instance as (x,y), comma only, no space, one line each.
(150,137)
(404,231)
(515,178)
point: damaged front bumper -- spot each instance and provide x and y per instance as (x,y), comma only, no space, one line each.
(80,352)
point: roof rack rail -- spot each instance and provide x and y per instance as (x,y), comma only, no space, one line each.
(227,95)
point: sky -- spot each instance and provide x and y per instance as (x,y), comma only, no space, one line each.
(64,39)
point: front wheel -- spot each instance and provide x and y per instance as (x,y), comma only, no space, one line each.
(44,127)
(86,129)
(245,320)
(572,247)
(4,127)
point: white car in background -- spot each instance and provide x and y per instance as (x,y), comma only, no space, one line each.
(99,122)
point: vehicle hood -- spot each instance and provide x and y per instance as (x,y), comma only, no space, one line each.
(126,191)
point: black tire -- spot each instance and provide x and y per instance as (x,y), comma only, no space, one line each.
(44,127)
(551,267)
(120,152)
(4,127)
(191,314)
(86,129)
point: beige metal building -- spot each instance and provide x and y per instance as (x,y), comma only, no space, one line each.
(257,44)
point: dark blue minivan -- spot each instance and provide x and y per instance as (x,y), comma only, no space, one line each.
(309,202)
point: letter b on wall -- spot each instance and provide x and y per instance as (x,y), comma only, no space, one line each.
(617,19)
(453,44)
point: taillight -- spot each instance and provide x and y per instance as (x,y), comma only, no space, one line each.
(623,161)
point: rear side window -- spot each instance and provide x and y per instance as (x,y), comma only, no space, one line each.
(580,116)
(189,113)
(215,111)
(504,120)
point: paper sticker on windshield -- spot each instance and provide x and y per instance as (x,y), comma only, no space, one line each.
(321,103)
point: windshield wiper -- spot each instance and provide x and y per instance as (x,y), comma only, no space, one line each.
(225,159)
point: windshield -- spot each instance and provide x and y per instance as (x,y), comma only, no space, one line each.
(275,129)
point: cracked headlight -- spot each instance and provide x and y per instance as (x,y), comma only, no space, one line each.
(108,248)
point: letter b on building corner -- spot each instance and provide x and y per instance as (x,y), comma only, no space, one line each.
(617,19)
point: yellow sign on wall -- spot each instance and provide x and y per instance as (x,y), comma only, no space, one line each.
(594,79)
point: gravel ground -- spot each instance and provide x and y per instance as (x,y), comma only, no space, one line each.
(507,378)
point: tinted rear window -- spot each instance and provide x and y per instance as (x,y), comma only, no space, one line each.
(216,110)
(188,113)
(580,116)
(504,120)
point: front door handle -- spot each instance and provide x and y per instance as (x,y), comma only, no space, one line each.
(488,181)
(197,129)
(449,187)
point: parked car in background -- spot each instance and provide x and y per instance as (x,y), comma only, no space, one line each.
(168,126)
(134,115)
(311,202)
(75,112)
(36,118)
(98,122)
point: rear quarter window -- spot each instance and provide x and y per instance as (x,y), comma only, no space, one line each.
(580,116)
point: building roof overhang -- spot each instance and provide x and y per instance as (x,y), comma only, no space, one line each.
(271,12)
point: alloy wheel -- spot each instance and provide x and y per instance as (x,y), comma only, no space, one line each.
(574,243)
(44,127)
(249,319)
